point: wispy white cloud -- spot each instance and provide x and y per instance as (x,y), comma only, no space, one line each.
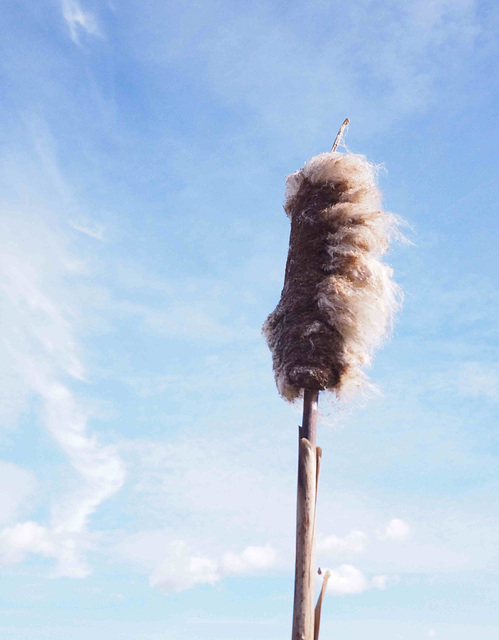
(194,309)
(235,478)
(188,322)
(385,60)
(231,621)
(181,569)
(98,466)
(246,482)
(250,560)
(348,580)
(464,308)
(16,485)
(91,229)
(39,345)
(380,582)
(173,565)
(29,537)
(469,379)
(77,19)
(354,542)
(479,380)
(396,529)
(17,541)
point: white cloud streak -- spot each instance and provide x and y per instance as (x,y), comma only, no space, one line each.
(18,541)
(173,565)
(470,379)
(181,570)
(88,228)
(79,20)
(387,59)
(380,582)
(16,485)
(39,344)
(354,542)
(250,560)
(396,529)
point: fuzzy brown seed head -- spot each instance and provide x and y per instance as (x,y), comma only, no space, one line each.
(338,297)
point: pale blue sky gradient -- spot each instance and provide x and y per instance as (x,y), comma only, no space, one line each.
(147,465)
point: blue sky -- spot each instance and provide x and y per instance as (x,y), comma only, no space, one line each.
(147,465)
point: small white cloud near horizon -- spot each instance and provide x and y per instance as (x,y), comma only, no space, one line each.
(432,633)
(174,566)
(180,571)
(380,582)
(348,580)
(30,537)
(354,542)
(250,560)
(396,529)
(77,19)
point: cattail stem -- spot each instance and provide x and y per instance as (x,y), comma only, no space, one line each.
(334,273)
(303,610)
(337,140)
(310,408)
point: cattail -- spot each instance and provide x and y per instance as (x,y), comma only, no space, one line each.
(339,298)
(336,306)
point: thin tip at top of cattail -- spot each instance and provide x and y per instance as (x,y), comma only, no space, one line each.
(340,134)
(339,298)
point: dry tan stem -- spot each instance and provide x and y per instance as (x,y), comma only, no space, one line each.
(318,458)
(337,140)
(303,613)
(319,605)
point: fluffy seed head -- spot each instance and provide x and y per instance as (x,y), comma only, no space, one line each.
(338,299)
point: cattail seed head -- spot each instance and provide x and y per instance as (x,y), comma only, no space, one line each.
(338,299)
